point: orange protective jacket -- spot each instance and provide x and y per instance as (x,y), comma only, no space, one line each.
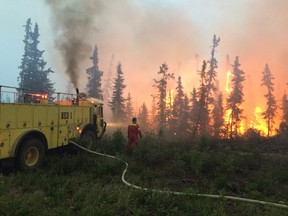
(133,133)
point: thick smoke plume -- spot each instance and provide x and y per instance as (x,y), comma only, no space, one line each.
(73,25)
(142,35)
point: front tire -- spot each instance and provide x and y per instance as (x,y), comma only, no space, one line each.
(31,154)
(89,139)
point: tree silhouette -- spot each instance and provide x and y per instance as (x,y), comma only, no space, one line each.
(33,76)
(235,99)
(271,106)
(211,75)
(153,112)
(194,116)
(185,124)
(284,117)
(178,110)
(108,81)
(161,86)
(117,102)
(143,118)
(129,108)
(202,121)
(284,107)
(169,110)
(94,77)
(218,117)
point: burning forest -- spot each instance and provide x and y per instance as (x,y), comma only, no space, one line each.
(208,91)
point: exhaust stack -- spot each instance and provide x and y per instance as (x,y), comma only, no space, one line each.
(77,97)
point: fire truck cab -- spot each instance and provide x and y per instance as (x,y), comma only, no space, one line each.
(31,127)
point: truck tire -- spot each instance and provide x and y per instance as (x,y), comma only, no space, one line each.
(88,139)
(31,154)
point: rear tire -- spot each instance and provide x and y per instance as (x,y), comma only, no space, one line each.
(31,154)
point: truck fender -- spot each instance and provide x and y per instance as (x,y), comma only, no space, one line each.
(23,136)
(85,127)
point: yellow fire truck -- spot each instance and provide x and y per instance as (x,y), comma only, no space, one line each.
(28,129)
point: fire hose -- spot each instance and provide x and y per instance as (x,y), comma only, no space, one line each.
(175,192)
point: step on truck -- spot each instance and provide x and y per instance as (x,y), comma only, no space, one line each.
(30,125)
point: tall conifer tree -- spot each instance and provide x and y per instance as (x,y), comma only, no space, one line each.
(211,84)
(235,99)
(202,121)
(185,127)
(143,118)
(94,77)
(117,102)
(218,117)
(161,86)
(194,116)
(153,112)
(129,108)
(284,117)
(33,76)
(212,73)
(178,109)
(271,106)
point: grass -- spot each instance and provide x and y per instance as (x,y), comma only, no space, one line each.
(79,183)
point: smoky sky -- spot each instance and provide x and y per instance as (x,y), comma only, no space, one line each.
(144,34)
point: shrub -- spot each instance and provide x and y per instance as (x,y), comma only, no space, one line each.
(115,144)
(252,136)
(206,143)
(153,151)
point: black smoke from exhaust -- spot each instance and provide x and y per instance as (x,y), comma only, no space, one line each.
(72,22)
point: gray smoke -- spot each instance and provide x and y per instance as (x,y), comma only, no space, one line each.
(73,24)
(141,35)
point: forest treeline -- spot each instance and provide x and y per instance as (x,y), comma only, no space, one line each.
(202,111)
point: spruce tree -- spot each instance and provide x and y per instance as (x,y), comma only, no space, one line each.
(178,109)
(107,89)
(169,110)
(211,78)
(33,76)
(143,118)
(235,99)
(25,72)
(161,86)
(117,102)
(218,117)
(284,117)
(194,116)
(153,112)
(202,121)
(211,73)
(94,77)
(271,106)
(129,108)
(184,118)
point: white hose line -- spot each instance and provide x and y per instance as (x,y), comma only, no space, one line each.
(175,192)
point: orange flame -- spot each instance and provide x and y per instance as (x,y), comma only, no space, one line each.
(228,87)
(258,122)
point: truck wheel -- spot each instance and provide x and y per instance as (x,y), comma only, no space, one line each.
(31,154)
(88,139)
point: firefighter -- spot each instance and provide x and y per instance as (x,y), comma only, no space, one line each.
(133,133)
